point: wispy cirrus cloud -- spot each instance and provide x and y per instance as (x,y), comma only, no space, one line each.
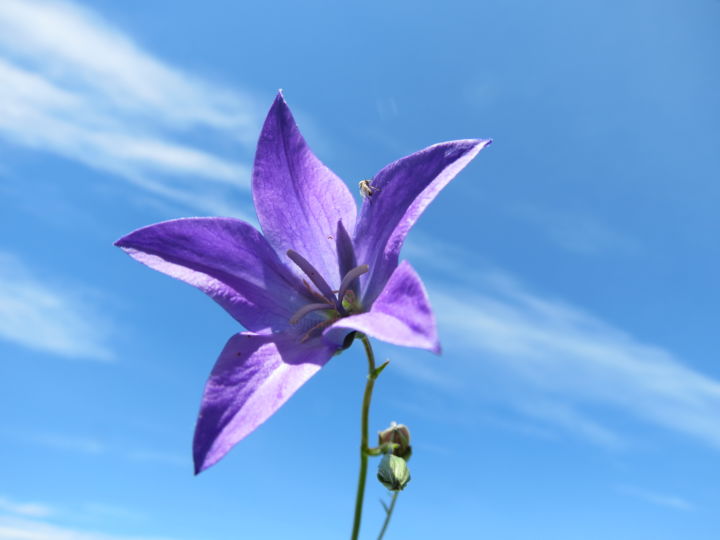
(659,499)
(74,85)
(25,508)
(23,520)
(162,458)
(21,528)
(69,443)
(577,232)
(570,418)
(46,315)
(556,362)
(93,446)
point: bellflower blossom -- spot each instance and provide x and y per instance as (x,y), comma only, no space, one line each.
(317,273)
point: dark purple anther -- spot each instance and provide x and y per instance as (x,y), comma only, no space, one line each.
(309,270)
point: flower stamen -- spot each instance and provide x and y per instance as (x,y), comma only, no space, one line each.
(319,327)
(310,271)
(312,292)
(309,308)
(336,304)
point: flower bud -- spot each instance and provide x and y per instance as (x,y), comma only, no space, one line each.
(393,472)
(400,435)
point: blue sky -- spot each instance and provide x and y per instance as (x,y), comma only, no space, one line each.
(573,267)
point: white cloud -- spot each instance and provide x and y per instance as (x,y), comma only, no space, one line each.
(567,355)
(71,443)
(73,85)
(13,528)
(660,499)
(561,350)
(556,362)
(571,419)
(32,521)
(92,446)
(29,509)
(101,512)
(577,232)
(47,316)
(163,458)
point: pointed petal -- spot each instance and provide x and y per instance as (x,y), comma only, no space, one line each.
(403,191)
(253,377)
(401,315)
(228,260)
(298,200)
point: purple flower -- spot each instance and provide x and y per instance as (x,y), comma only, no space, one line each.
(316,274)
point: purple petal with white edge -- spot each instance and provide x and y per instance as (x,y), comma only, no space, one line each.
(401,315)
(403,191)
(227,259)
(253,377)
(298,200)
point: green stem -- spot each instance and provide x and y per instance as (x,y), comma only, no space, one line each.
(388,514)
(372,375)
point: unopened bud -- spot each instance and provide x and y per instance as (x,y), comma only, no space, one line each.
(400,435)
(393,472)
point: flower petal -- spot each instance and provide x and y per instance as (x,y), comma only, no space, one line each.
(228,260)
(403,191)
(298,200)
(254,376)
(401,315)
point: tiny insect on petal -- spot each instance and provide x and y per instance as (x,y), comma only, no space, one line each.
(366,188)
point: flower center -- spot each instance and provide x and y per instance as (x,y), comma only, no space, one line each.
(335,304)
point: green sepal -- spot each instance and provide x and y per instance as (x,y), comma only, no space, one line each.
(378,370)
